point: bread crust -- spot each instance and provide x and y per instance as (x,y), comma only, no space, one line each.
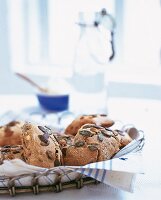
(97,119)
(11,133)
(11,152)
(92,143)
(40,146)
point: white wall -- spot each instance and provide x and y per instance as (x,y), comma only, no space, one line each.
(9,83)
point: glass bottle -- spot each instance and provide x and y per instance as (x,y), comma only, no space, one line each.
(90,62)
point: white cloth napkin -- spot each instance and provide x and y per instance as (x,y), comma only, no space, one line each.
(119,172)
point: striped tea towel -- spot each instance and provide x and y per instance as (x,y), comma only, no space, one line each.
(119,172)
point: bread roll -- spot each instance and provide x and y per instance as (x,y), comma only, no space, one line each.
(98,119)
(11,133)
(40,146)
(92,143)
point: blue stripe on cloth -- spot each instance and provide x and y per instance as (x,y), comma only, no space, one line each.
(96,174)
(82,170)
(103,176)
(104,171)
(85,171)
(90,172)
(93,173)
(97,171)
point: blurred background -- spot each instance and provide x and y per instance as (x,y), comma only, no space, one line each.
(38,37)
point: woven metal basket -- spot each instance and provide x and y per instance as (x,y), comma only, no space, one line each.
(10,186)
(59,178)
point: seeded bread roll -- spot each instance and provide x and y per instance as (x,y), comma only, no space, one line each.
(11,133)
(124,138)
(92,143)
(79,156)
(98,119)
(11,152)
(65,140)
(40,146)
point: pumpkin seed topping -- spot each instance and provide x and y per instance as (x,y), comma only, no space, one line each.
(100,137)
(92,147)
(86,133)
(79,143)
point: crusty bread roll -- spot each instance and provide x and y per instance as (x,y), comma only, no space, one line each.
(98,119)
(11,152)
(124,138)
(40,146)
(92,143)
(11,133)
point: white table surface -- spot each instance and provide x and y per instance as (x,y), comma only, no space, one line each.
(145,114)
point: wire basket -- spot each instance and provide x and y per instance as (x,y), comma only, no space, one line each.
(123,166)
(10,186)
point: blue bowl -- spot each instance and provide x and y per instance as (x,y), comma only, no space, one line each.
(55,103)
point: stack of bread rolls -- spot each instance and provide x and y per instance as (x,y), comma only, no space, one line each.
(87,139)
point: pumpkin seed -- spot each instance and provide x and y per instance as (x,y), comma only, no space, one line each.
(44,144)
(91,125)
(93,115)
(5,150)
(87,126)
(103,115)
(93,147)
(86,133)
(44,138)
(48,128)
(79,143)
(50,155)
(7,146)
(45,130)
(57,163)
(16,151)
(106,133)
(64,151)
(12,123)
(100,137)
